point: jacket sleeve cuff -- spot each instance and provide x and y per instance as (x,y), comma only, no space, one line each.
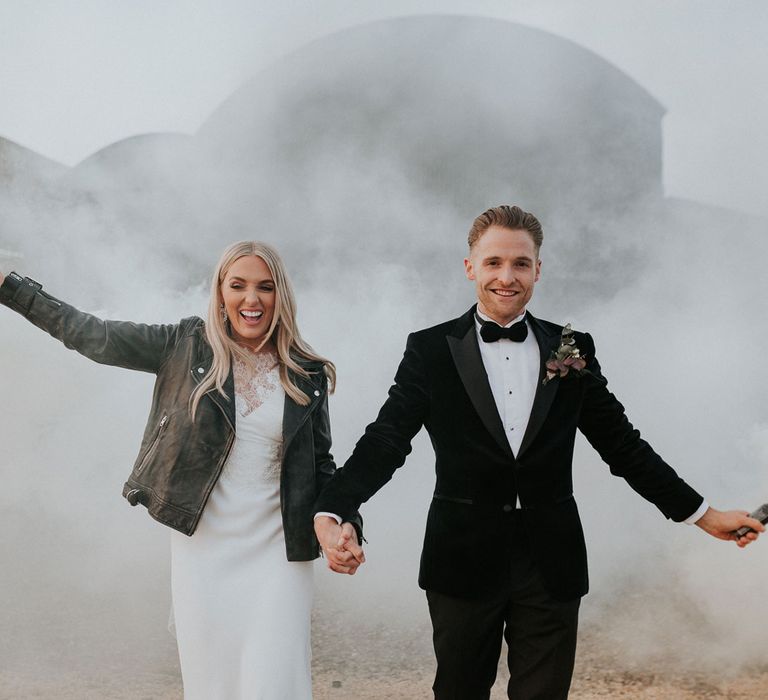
(694,517)
(356,521)
(330,515)
(18,292)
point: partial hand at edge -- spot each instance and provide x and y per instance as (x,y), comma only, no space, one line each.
(339,544)
(722,525)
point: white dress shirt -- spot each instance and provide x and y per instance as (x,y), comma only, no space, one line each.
(513,371)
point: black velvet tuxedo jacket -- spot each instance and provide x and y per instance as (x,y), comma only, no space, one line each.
(441,384)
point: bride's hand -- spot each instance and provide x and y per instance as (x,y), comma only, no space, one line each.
(332,538)
(348,542)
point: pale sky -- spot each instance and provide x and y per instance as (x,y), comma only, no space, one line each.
(76,75)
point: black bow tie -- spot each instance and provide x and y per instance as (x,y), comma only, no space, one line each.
(490,332)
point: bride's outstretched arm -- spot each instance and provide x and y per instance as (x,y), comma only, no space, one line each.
(121,343)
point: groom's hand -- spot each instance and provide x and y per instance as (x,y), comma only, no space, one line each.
(722,524)
(339,543)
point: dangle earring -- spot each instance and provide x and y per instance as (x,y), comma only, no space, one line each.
(224,316)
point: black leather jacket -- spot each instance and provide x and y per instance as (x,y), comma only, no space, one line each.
(180,460)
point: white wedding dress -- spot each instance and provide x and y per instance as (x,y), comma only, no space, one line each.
(242,611)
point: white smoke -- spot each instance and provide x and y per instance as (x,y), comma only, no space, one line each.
(672,295)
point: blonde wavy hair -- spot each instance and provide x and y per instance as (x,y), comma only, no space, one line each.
(283,330)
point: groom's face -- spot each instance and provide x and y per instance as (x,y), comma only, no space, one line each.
(504,265)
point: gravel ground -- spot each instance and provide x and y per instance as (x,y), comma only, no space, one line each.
(598,676)
(620,686)
(97,663)
(384,685)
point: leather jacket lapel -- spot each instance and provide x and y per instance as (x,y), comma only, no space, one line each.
(466,356)
(545,393)
(199,370)
(295,415)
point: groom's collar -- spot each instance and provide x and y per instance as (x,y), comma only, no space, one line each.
(467,321)
(480,317)
(547,335)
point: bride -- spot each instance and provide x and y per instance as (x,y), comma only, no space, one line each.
(235,452)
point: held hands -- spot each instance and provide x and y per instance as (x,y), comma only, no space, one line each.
(340,546)
(722,524)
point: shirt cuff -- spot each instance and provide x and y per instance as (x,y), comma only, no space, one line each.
(691,520)
(330,515)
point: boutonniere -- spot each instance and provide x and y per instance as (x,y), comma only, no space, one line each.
(567,357)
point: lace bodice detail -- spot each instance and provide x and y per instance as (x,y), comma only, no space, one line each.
(254,383)
(256,455)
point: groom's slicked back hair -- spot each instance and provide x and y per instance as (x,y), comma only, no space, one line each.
(506,216)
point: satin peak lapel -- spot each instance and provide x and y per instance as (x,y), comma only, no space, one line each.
(545,393)
(469,364)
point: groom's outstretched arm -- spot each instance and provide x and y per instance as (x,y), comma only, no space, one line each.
(605,424)
(386,442)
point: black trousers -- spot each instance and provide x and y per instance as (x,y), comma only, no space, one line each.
(540,633)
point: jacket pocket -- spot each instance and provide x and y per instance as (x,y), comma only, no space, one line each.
(153,446)
(452,499)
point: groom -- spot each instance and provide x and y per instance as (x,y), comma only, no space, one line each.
(504,552)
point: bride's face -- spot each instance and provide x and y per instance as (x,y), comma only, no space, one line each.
(248,293)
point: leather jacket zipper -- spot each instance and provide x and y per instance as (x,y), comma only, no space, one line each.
(153,446)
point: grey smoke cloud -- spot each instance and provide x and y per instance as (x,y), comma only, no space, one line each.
(366,173)
(106,71)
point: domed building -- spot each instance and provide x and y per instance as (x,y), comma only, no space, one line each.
(378,144)
(468,111)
